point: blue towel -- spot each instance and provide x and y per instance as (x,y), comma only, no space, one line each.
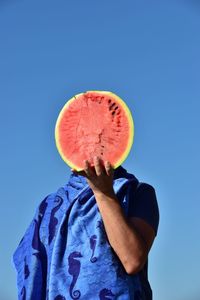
(65,253)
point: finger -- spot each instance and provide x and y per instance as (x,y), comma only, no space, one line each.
(98,166)
(87,169)
(108,168)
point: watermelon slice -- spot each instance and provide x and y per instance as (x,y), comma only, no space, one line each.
(94,123)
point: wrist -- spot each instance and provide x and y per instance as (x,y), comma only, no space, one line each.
(103,194)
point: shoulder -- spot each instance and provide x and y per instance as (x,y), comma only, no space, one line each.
(143,186)
(47,200)
(45,206)
(146,192)
(144,204)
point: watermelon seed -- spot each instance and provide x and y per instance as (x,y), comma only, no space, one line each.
(98,98)
(111,106)
(116,107)
(113,113)
(109,100)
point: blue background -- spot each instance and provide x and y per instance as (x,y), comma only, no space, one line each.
(148,52)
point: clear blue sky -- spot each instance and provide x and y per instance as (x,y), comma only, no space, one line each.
(148,52)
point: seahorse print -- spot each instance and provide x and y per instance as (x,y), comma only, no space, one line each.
(41,256)
(92,246)
(26,269)
(42,209)
(101,226)
(67,194)
(53,220)
(63,227)
(23,293)
(35,240)
(105,294)
(60,297)
(74,270)
(83,200)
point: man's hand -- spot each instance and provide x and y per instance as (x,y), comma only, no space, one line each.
(99,177)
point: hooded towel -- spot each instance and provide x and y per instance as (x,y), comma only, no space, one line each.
(65,253)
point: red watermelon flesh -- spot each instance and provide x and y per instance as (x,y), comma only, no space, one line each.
(95,123)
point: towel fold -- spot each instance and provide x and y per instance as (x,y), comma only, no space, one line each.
(65,253)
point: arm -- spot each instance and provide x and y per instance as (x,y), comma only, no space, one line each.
(130,238)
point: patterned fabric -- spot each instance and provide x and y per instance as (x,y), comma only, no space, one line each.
(65,254)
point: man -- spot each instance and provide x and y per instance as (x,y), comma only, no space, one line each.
(90,239)
(141,231)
